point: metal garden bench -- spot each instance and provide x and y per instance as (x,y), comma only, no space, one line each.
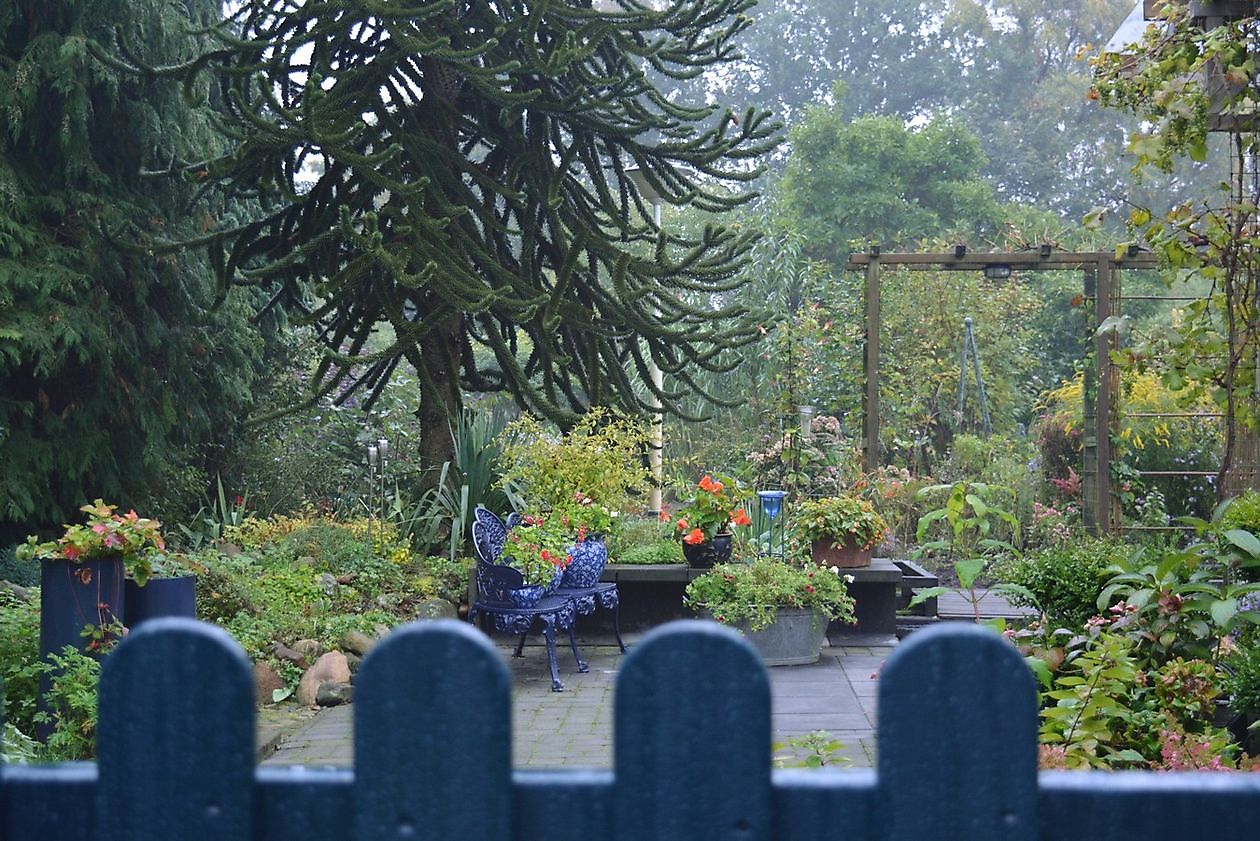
(496,584)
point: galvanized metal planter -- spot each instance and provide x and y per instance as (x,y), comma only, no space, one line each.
(794,638)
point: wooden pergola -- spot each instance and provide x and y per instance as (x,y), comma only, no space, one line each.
(1100,287)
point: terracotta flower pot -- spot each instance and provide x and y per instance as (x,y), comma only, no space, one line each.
(848,554)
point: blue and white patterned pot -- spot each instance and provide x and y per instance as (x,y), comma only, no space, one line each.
(527,596)
(589,558)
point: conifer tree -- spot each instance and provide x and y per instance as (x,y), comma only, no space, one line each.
(474,194)
(111,356)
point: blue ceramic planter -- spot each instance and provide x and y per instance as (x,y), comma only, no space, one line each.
(589,558)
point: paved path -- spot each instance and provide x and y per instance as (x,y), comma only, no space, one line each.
(574,727)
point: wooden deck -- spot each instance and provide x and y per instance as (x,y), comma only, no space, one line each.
(953,605)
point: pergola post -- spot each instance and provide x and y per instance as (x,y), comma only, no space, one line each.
(870,407)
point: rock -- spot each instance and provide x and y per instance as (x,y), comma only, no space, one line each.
(381,631)
(388,601)
(437,609)
(306,561)
(266,681)
(327,583)
(17,590)
(331,667)
(347,578)
(357,642)
(332,694)
(353,660)
(309,649)
(283,652)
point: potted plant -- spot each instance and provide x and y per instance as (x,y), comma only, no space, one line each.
(586,479)
(704,525)
(840,530)
(538,548)
(782,607)
(82,572)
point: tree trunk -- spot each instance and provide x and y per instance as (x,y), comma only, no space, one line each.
(440,399)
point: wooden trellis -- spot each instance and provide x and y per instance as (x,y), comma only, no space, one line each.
(1100,286)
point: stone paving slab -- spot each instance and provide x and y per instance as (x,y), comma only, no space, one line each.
(574,728)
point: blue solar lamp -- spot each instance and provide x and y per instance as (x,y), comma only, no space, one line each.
(772,506)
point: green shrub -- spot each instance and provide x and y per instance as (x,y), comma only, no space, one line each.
(1065,578)
(19,659)
(441,578)
(70,706)
(656,552)
(221,589)
(24,573)
(1243,681)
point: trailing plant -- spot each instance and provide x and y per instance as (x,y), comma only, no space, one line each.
(753,592)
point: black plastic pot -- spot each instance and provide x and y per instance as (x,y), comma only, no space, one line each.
(710,552)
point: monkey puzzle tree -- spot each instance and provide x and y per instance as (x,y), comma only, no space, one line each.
(473,209)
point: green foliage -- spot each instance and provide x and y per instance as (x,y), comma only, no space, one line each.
(24,573)
(1091,706)
(972,519)
(1064,579)
(874,181)
(592,474)
(839,520)
(1105,710)
(1242,680)
(483,207)
(114,350)
(755,591)
(656,552)
(19,659)
(70,705)
(1180,602)
(16,747)
(816,749)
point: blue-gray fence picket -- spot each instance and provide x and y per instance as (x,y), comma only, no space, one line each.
(957,755)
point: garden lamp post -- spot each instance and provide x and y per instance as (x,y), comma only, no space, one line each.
(657,435)
(772,506)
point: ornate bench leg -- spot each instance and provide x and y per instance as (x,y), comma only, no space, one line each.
(582,667)
(549,634)
(616,611)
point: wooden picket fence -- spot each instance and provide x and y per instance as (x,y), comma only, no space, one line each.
(956,759)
